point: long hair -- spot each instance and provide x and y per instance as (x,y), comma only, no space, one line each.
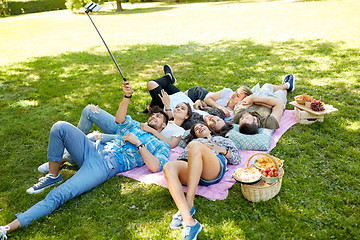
(191,136)
(222,131)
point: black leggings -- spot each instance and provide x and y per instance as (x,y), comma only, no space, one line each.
(164,83)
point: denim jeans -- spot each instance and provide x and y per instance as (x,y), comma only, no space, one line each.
(96,166)
(105,121)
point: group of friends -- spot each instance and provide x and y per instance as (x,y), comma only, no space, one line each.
(125,143)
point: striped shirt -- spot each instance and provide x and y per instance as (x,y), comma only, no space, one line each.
(127,153)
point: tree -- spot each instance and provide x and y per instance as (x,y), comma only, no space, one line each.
(118,6)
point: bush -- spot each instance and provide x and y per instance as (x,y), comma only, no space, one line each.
(16,8)
(76,4)
(4,10)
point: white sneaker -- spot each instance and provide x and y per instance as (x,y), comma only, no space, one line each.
(44,168)
(3,231)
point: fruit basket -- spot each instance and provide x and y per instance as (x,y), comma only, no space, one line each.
(262,191)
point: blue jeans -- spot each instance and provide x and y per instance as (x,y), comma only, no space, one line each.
(96,166)
(222,161)
(104,120)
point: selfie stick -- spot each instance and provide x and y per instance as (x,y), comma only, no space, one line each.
(93,7)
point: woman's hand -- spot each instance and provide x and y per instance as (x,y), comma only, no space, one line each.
(215,147)
(199,104)
(146,128)
(165,98)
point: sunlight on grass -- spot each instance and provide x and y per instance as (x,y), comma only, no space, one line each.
(24,104)
(353,126)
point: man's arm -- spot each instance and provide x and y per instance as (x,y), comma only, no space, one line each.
(276,104)
(122,110)
(210,100)
(152,162)
(173,142)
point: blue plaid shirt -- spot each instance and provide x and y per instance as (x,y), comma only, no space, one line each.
(128,155)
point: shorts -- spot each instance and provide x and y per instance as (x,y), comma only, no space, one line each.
(268,91)
(196,93)
(222,161)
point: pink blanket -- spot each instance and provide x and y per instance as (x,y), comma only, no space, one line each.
(220,190)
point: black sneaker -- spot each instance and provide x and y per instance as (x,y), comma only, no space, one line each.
(167,69)
(290,78)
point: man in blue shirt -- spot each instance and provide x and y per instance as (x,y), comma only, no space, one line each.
(98,162)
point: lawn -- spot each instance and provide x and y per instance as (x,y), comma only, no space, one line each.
(54,64)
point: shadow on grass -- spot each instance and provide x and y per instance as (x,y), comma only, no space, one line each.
(38,93)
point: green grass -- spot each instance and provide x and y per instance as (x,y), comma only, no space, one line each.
(319,198)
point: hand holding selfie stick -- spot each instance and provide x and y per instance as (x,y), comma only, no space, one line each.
(93,7)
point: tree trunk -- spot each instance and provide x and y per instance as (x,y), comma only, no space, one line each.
(118,6)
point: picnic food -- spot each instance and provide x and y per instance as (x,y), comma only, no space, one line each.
(302,99)
(247,174)
(317,105)
(265,162)
(270,172)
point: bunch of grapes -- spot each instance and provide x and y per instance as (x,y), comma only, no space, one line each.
(317,105)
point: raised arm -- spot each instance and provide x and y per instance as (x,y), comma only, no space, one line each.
(276,104)
(166,101)
(122,110)
(210,100)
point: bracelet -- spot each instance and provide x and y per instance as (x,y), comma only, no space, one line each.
(140,146)
(127,96)
(169,109)
(227,150)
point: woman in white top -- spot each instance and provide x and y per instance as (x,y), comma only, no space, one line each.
(173,131)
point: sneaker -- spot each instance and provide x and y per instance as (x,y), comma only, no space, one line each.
(177,220)
(290,78)
(44,168)
(167,69)
(3,231)
(44,182)
(191,232)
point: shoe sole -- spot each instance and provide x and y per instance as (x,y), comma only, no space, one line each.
(174,227)
(171,73)
(293,82)
(42,189)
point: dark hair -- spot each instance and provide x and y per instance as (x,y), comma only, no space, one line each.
(224,130)
(249,128)
(191,136)
(189,111)
(157,109)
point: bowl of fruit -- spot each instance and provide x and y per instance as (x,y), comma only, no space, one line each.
(270,175)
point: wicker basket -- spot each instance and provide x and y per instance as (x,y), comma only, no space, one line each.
(262,191)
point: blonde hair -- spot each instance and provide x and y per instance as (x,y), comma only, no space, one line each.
(246,90)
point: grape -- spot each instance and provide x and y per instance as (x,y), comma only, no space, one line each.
(317,105)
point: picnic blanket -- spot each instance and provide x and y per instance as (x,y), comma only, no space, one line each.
(220,190)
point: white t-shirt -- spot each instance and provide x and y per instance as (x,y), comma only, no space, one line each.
(179,97)
(172,130)
(223,101)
